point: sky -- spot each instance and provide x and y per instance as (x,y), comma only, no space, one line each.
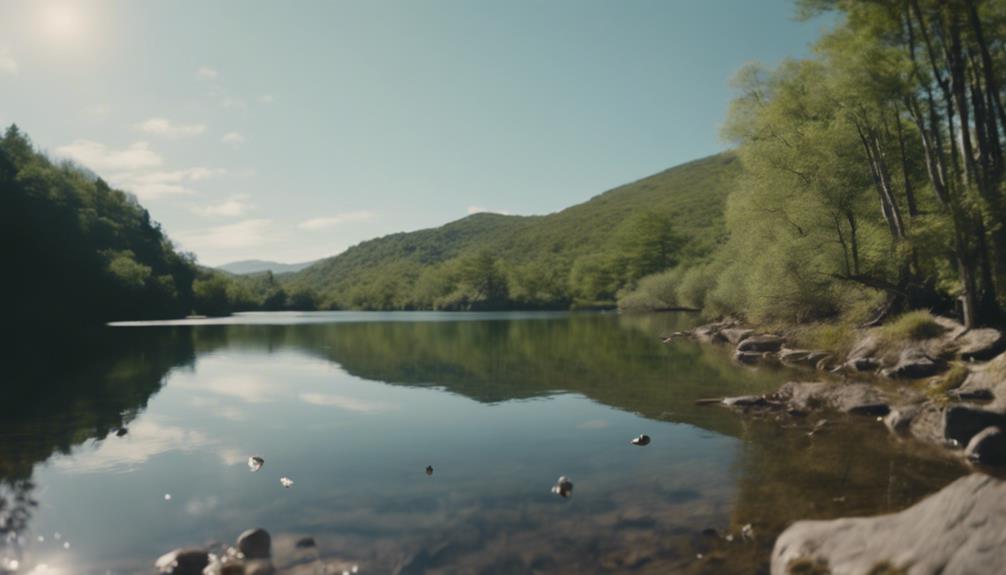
(290,131)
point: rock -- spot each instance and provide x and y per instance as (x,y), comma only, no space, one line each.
(255,463)
(255,544)
(183,562)
(899,420)
(805,357)
(745,401)
(305,543)
(961,529)
(735,335)
(563,487)
(988,447)
(971,394)
(857,398)
(962,422)
(863,364)
(429,470)
(914,363)
(749,357)
(642,440)
(711,333)
(987,381)
(981,344)
(761,343)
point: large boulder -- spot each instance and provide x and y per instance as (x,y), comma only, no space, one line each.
(914,363)
(959,530)
(183,562)
(981,344)
(988,447)
(761,343)
(858,398)
(255,544)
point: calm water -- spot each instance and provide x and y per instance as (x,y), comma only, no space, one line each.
(354,406)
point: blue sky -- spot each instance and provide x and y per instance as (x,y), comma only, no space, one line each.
(293,130)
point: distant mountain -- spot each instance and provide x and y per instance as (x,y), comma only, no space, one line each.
(548,261)
(256,266)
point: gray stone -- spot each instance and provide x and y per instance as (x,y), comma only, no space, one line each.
(259,567)
(959,530)
(981,344)
(805,357)
(899,420)
(745,401)
(761,343)
(255,544)
(183,562)
(749,357)
(863,364)
(735,335)
(914,363)
(987,447)
(857,398)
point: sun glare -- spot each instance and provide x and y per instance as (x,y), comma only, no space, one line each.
(61,22)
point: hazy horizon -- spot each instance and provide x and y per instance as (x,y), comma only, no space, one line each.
(288,134)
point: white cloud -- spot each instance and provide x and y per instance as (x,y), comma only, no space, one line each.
(100,157)
(207,72)
(233,207)
(97,112)
(149,185)
(164,127)
(266,99)
(480,209)
(8,65)
(232,138)
(334,220)
(243,234)
(347,403)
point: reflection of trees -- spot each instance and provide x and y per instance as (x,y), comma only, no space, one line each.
(617,361)
(75,390)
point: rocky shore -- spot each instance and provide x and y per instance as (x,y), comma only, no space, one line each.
(946,389)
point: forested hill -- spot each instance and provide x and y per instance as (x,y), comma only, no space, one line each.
(258,266)
(581,255)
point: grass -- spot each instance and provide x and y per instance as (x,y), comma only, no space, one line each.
(917,325)
(952,379)
(837,338)
(806,566)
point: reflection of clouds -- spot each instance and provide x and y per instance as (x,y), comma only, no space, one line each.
(247,387)
(347,403)
(593,424)
(146,439)
(232,456)
(202,505)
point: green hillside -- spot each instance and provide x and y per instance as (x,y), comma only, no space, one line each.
(584,254)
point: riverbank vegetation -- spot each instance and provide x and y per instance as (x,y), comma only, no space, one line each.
(873,173)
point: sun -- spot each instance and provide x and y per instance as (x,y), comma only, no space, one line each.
(61,22)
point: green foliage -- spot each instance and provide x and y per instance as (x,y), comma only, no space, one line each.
(582,256)
(913,326)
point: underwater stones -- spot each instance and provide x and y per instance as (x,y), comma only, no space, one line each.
(255,544)
(183,562)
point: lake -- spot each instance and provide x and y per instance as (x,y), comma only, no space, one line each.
(354,406)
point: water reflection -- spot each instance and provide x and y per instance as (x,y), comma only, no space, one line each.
(499,406)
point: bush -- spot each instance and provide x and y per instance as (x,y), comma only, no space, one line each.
(913,326)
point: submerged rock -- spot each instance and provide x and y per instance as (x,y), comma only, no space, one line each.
(961,529)
(857,398)
(183,562)
(255,544)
